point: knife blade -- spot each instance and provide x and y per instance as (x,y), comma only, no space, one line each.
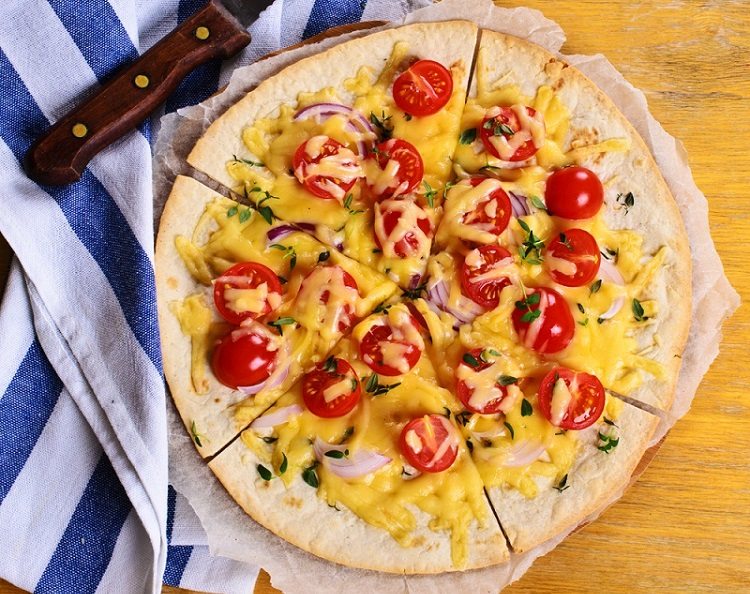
(134,92)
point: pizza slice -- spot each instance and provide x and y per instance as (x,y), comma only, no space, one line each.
(361,463)
(354,144)
(246,305)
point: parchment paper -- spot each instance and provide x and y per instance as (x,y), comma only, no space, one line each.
(230,531)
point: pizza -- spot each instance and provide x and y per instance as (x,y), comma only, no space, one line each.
(428,320)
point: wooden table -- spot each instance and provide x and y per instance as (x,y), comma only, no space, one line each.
(685,526)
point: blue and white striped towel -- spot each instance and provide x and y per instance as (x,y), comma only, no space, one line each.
(85,504)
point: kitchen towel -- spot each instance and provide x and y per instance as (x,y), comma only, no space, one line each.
(85,504)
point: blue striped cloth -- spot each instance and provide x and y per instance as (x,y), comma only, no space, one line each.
(85,503)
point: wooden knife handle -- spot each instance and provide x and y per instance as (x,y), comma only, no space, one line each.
(60,156)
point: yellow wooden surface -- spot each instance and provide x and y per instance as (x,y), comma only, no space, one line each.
(685,526)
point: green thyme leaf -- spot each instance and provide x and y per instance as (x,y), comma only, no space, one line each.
(626,200)
(468,136)
(595,287)
(530,316)
(580,308)
(429,194)
(282,322)
(638,313)
(310,476)
(330,365)
(510,428)
(264,473)
(232,211)
(507,380)
(536,202)
(608,442)
(471,360)
(323,256)
(382,125)
(563,484)
(247,162)
(503,130)
(526,408)
(372,383)
(337,454)
(196,436)
(269,439)
(284,464)
(447,413)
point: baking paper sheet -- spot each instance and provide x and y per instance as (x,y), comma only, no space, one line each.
(230,531)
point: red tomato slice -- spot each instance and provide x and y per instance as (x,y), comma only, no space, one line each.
(485,259)
(465,393)
(575,258)
(340,378)
(423,89)
(429,443)
(574,193)
(506,124)
(586,404)
(390,213)
(491,215)
(408,164)
(245,275)
(325,152)
(243,358)
(552,329)
(371,349)
(346,319)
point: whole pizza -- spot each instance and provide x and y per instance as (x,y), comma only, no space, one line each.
(423,324)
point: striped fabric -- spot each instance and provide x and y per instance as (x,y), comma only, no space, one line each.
(85,504)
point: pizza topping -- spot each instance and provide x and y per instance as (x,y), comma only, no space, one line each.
(486,271)
(468,208)
(571,399)
(331,389)
(523,453)
(574,193)
(573,258)
(394,345)
(423,89)
(326,167)
(543,321)
(327,300)
(393,168)
(512,133)
(278,416)
(346,465)
(429,443)
(246,290)
(402,229)
(357,126)
(481,385)
(246,357)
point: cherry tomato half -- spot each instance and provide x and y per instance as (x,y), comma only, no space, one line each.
(548,331)
(464,392)
(423,89)
(479,281)
(387,216)
(506,125)
(374,347)
(586,404)
(405,159)
(423,438)
(245,275)
(243,358)
(332,389)
(574,193)
(493,213)
(575,258)
(315,278)
(322,150)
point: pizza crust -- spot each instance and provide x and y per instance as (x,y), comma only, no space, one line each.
(299,516)
(445,42)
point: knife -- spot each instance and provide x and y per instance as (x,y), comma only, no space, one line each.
(62,153)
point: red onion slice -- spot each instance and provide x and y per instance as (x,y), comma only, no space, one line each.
(273,380)
(608,271)
(280,232)
(358,463)
(519,204)
(614,308)
(438,295)
(277,417)
(356,122)
(523,453)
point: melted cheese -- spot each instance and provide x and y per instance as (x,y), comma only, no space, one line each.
(324,314)
(561,398)
(343,387)
(195,321)
(461,200)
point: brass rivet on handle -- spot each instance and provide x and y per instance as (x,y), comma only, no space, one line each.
(141,81)
(202,33)
(79,130)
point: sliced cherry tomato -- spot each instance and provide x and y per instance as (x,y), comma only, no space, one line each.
(423,89)
(422,440)
(243,358)
(479,282)
(574,193)
(322,151)
(388,214)
(586,404)
(380,338)
(332,389)
(346,318)
(405,159)
(491,215)
(417,316)
(464,392)
(575,258)
(548,331)
(506,125)
(246,275)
